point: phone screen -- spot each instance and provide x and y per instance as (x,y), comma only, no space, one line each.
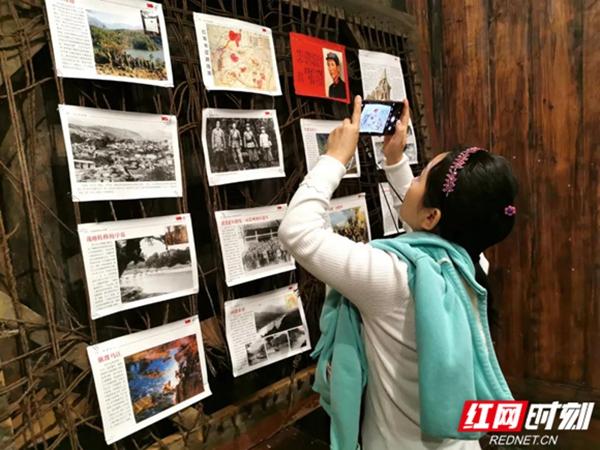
(374,117)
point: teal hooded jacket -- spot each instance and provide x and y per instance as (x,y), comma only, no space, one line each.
(456,363)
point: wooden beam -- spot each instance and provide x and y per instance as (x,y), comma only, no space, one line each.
(248,422)
(544,391)
(391,18)
(11,40)
(31,431)
(76,356)
(7,426)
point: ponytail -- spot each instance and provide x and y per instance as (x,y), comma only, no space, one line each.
(483,280)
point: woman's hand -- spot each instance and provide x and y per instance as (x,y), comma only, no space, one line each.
(393,145)
(342,141)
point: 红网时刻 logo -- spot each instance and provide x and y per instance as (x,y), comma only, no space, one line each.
(517,416)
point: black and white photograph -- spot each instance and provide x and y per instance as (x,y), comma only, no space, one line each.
(117,155)
(410,150)
(277,345)
(250,244)
(275,318)
(411,153)
(322,142)
(155,264)
(389,213)
(262,246)
(137,262)
(382,77)
(256,353)
(265,328)
(241,145)
(377,143)
(111,154)
(298,338)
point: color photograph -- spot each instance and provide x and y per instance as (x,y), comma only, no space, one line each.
(350,223)
(127,44)
(163,376)
(335,85)
(236,55)
(319,68)
(322,139)
(241,58)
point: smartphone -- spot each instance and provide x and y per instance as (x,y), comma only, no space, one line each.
(378,117)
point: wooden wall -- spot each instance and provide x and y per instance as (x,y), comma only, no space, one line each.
(521,78)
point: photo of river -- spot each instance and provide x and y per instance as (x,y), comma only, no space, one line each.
(154,265)
(146,54)
(127,44)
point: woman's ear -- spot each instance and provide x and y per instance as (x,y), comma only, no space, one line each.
(431,217)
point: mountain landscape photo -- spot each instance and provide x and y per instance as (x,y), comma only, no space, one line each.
(112,154)
(122,47)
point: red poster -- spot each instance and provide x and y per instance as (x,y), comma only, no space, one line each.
(320,68)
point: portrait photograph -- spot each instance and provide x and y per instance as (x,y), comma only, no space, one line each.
(319,68)
(335,74)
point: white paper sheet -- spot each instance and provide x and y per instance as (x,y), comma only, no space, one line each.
(389,213)
(249,243)
(131,263)
(381,76)
(382,79)
(120,40)
(236,55)
(410,149)
(116,155)
(241,145)
(265,328)
(146,376)
(315,134)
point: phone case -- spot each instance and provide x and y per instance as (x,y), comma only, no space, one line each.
(390,124)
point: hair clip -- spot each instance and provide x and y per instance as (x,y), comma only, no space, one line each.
(510,210)
(458,163)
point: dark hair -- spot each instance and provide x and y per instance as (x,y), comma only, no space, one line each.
(333,57)
(473,213)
